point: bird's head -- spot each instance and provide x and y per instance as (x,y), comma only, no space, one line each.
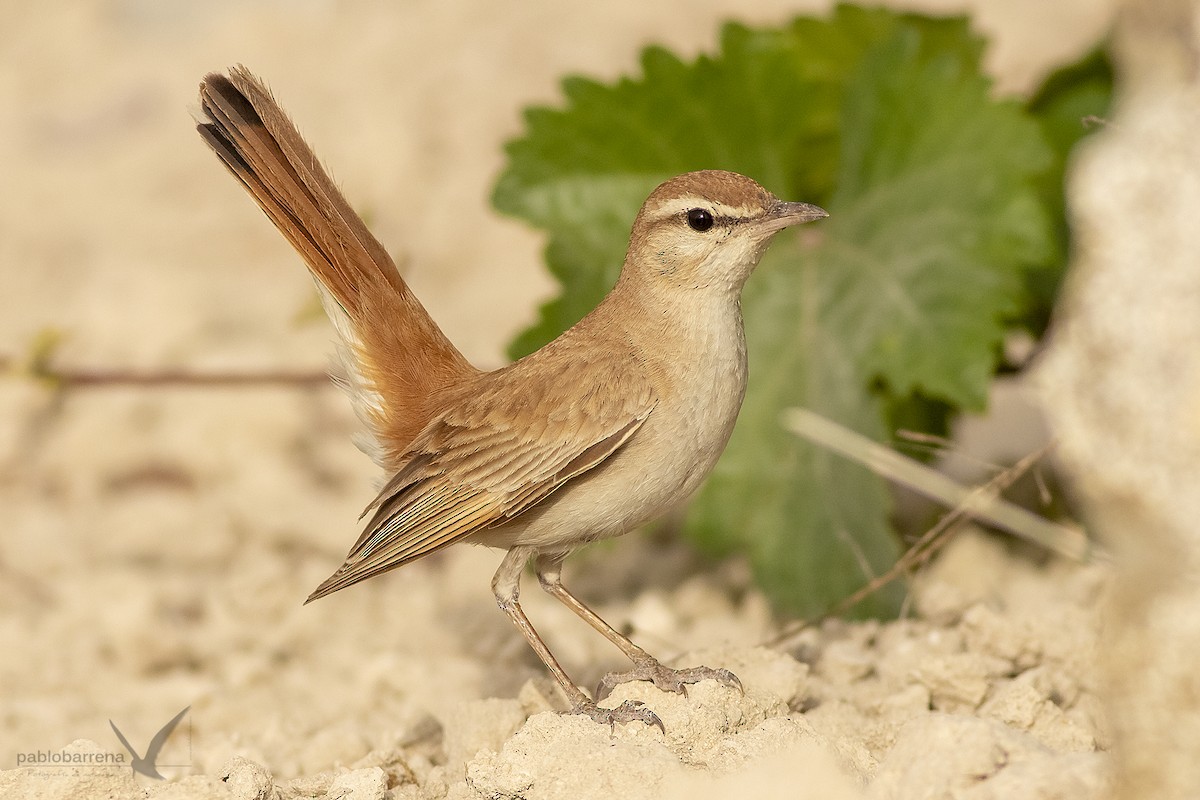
(708,229)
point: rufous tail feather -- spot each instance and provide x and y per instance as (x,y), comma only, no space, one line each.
(395,356)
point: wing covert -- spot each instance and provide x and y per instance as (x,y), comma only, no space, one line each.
(483,464)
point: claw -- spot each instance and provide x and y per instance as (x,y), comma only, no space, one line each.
(727,678)
(667,679)
(629,711)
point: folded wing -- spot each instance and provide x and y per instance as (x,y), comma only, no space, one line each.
(486,462)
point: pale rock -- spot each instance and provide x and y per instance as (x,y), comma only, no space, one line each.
(944,755)
(771,677)
(536,697)
(478,725)
(846,661)
(1020,704)
(66,782)
(714,727)
(192,787)
(986,631)
(360,784)
(1046,776)
(1089,713)
(652,614)
(909,701)
(906,645)
(943,602)
(853,730)
(399,766)
(1056,682)
(764,739)
(248,781)
(1016,703)
(338,743)
(698,599)
(963,575)
(804,770)
(959,681)
(436,785)
(568,756)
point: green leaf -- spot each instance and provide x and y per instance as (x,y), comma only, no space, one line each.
(933,222)
(909,283)
(815,525)
(900,300)
(1069,96)
(769,106)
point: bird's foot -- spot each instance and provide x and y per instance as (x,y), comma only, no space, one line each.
(629,711)
(667,679)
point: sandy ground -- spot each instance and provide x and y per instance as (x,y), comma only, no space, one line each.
(158,543)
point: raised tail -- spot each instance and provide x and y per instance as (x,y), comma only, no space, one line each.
(394,354)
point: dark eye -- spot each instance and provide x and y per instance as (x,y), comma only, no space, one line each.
(699,219)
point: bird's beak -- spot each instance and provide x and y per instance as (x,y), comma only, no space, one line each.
(783,215)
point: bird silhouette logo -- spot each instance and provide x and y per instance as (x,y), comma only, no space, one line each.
(145,765)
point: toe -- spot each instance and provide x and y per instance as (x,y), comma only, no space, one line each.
(635,711)
(667,679)
(629,711)
(727,678)
(609,682)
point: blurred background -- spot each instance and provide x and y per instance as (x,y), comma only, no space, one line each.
(157,542)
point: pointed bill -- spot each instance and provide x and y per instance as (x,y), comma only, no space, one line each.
(784,215)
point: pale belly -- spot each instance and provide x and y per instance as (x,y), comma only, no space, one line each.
(657,469)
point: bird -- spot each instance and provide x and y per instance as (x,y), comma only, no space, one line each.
(147,764)
(603,429)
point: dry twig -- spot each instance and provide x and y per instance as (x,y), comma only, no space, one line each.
(968,507)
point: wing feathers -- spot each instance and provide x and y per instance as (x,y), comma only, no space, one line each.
(477,479)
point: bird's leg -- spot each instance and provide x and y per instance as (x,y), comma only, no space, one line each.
(646,667)
(506,585)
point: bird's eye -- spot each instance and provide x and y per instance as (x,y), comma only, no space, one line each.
(699,219)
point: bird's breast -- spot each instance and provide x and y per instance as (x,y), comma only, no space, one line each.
(701,402)
(698,371)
